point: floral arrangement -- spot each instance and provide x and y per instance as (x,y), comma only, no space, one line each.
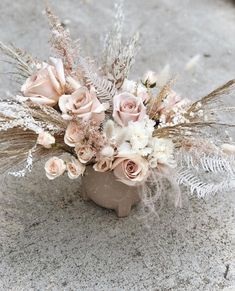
(82,114)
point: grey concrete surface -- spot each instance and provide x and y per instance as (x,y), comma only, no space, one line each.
(52,240)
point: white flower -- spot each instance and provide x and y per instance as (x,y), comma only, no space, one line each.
(54,167)
(162,153)
(45,139)
(136,89)
(138,137)
(129,86)
(140,133)
(107,151)
(75,168)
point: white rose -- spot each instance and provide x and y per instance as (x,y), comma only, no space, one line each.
(54,168)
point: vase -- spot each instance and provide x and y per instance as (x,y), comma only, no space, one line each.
(107,192)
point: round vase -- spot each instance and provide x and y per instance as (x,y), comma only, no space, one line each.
(106,191)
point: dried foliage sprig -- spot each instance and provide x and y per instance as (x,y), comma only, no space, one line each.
(209,103)
(62,43)
(23,62)
(119,57)
(156,101)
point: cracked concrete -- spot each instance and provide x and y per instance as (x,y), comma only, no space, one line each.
(52,240)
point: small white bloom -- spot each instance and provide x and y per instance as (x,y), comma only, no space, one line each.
(129,86)
(162,153)
(140,133)
(136,89)
(125,149)
(107,151)
(138,137)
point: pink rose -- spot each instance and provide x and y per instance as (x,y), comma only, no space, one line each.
(84,153)
(47,84)
(54,168)
(103,165)
(82,104)
(73,134)
(75,168)
(45,139)
(127,107)
(130,170)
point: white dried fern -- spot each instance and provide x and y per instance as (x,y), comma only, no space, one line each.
(200,186)
(210,163)
(205,174)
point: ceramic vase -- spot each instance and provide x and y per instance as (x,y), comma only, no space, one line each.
(106,191)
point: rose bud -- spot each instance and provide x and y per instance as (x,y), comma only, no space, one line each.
(150,79)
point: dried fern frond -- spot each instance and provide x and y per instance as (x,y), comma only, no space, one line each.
(104,87)
(22,61)
(205,173)
(213,162)
(61,42)
(200,186)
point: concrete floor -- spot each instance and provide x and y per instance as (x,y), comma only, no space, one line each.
(49,238)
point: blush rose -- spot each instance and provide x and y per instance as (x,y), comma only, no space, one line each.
(131,169)
(127,107)
(47,84)
(82,104)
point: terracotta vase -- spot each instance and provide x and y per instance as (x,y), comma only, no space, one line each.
(106,191)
